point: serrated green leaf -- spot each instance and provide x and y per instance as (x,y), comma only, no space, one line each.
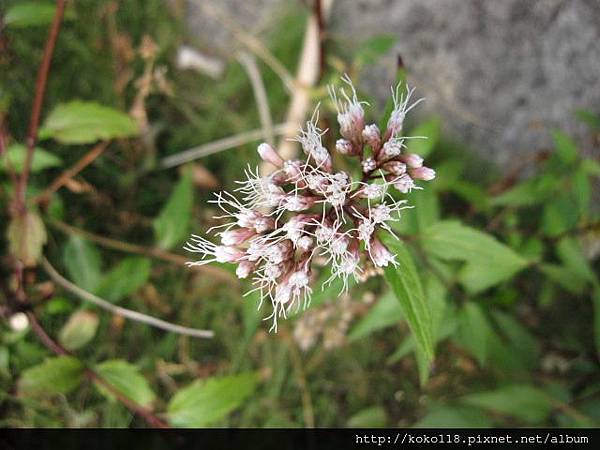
(83,263)
(431,130)
(374,417)
(406,285)
(205,402)
(488,262)
(58,375)
(386,312)
(79,330)
(524,402)
(127,379)
(42,159)
(79,122)
(125,278)
(172,224)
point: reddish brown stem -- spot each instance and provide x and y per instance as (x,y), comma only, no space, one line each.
(318,11)
(135,408)
(64,177)
(38,100)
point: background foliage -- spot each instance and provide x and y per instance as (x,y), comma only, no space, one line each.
(493,318)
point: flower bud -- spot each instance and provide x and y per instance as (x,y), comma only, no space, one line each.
(380,255)
(404,183)
(412,160)
(369,165)
(395,167)
(391,149)
(226,254)
(344,147)
(268,154)
(244,269)
(236,237)
(422,173)
(372,136)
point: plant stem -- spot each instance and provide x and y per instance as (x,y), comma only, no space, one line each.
(127,313)
(56,348)
(38,100)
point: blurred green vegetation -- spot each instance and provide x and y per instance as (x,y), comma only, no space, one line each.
(508,257)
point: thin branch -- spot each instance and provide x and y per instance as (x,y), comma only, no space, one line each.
(318,11)
(94,376)
(260,94)
(156,253)
(218,146)
(68,174)
(127,313)
(36,109)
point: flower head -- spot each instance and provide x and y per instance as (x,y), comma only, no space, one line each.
(304,212)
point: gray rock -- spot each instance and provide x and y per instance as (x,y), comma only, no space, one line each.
(500,73)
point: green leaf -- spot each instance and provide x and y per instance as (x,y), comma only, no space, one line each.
(385,313)
(474,331)
(560,215)
(26,235)
(564,277)
(431,129)
(83,263)
(42,159)
(521,343)
(58,375)
(127,379)
(406,285)
(523,402)
(79,122)
(205,402)
(26,14)
(125,278)
(566,149)
(589,118)
(373,48)
(172,224)
(79,330)
(374,417)
(488,262)
(529,192)
(571,254)
(454,417)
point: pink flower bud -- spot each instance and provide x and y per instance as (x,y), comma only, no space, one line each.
(371,136)
(344,147)
(268,154)
(412,160)
(244,269)
(395,167)
(391,149)
(294,202)
(225,254)
(236,237)
(404,183)
(380,255)
(422,173)
(369,165)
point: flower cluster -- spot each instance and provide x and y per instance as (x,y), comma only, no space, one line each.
(279,224)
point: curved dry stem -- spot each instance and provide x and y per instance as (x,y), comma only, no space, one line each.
(127,313)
